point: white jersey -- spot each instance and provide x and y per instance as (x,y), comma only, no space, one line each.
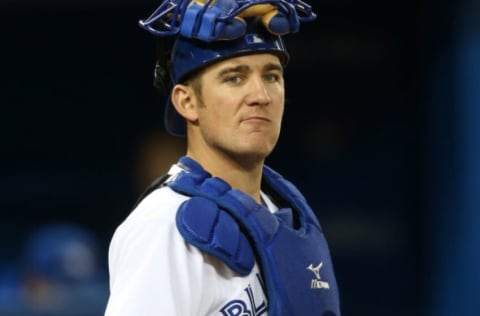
(154,271)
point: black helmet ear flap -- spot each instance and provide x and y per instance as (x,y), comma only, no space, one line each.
(162,79)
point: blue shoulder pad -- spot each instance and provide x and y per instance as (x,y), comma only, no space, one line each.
(214,231)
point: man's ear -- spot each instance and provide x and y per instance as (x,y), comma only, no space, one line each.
(184,101)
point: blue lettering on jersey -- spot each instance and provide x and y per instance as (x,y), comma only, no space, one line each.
(239,307)
(235,308)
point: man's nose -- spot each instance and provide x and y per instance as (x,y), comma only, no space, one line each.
(258,93)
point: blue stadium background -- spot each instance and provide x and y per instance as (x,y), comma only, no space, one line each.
(381,133)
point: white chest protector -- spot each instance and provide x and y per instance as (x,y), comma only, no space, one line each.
(292,250)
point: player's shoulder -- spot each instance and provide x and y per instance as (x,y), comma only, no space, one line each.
(152,218)
(158,202)
(160,205)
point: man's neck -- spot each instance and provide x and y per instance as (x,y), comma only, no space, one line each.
(239,173)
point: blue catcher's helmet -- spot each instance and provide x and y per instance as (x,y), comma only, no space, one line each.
(207,31)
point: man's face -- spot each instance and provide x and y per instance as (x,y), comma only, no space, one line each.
(241,105)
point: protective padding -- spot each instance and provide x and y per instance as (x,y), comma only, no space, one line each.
(212,230)
(212,20)
(296,261)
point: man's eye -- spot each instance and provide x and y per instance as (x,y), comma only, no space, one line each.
(271,77)
(233,79)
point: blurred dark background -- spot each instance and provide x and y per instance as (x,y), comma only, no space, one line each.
(380,133)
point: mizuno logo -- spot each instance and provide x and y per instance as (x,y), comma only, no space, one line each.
(317,283)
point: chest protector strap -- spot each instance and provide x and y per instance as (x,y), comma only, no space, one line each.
(227,223)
